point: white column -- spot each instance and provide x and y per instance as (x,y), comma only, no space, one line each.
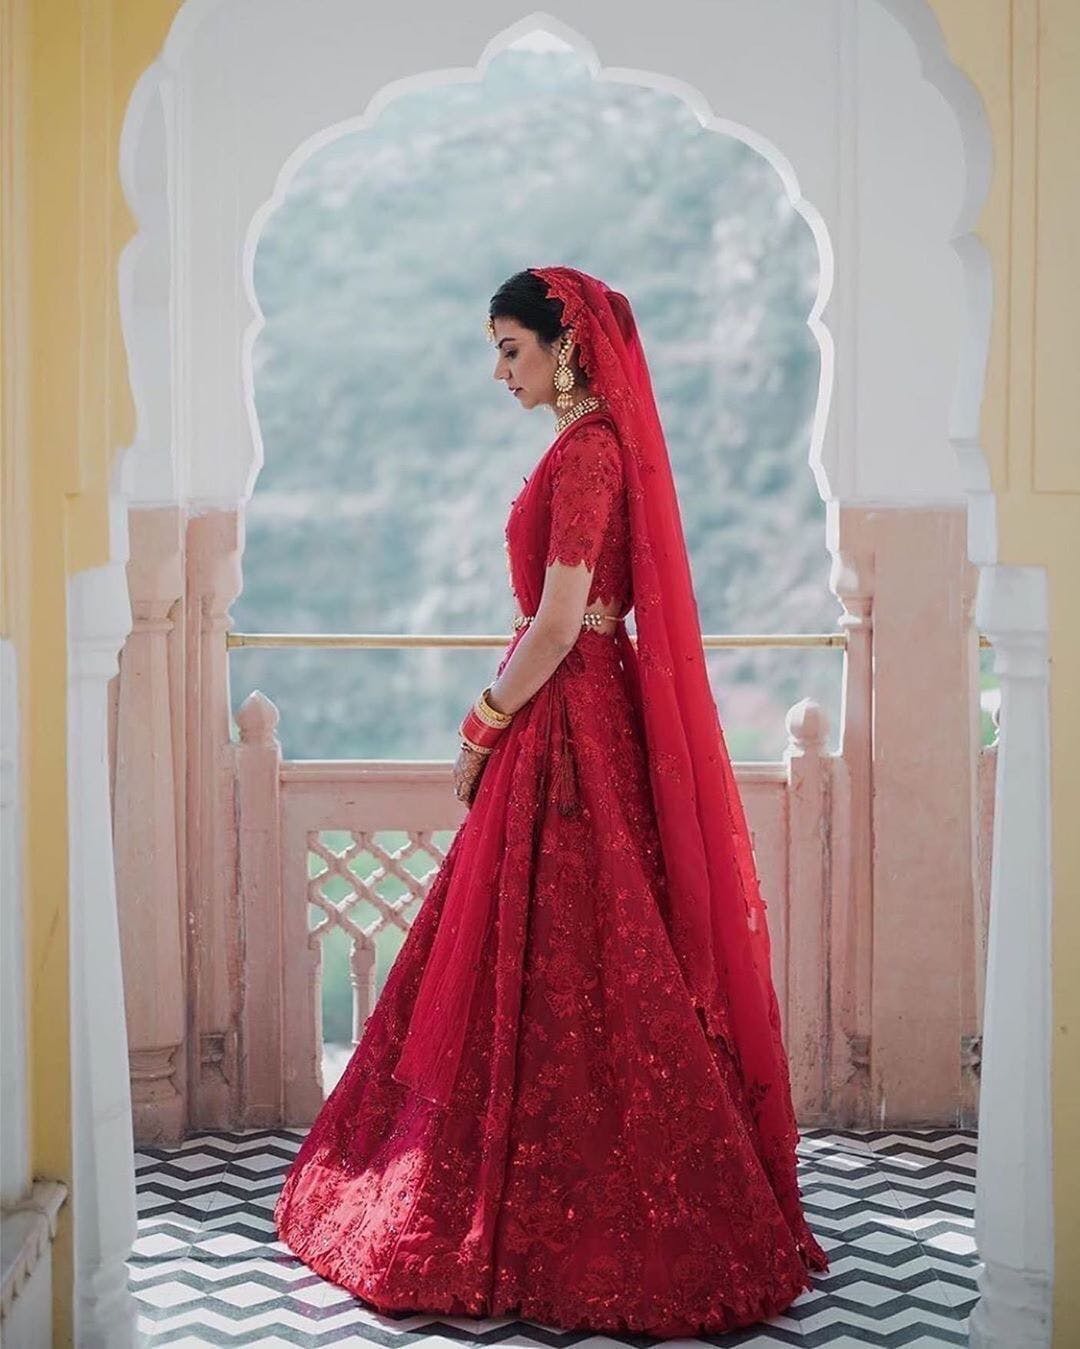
(1013,1191)
(103,1176)
(28,1208)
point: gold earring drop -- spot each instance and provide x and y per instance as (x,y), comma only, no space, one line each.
(564,378)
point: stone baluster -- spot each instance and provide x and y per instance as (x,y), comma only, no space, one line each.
(302,978)
(145,833)
(258,780)
(809,770)
(850,935)
(363,968)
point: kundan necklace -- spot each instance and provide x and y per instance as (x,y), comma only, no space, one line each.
(590,403)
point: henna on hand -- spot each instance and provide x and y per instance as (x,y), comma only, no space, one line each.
(466,774)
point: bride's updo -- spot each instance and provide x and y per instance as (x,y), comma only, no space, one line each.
(524,297)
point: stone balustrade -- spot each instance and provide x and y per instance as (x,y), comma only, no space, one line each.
(874,856)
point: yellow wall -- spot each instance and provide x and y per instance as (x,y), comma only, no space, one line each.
(68,69)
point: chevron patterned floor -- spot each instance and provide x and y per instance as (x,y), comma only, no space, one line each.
(894,1211)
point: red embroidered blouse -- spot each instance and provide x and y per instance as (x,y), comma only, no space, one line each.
(573,509)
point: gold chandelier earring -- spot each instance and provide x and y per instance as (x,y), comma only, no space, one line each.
(564,377)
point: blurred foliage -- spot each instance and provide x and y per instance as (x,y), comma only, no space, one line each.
(391,456)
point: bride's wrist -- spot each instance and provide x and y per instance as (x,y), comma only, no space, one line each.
(494,701)
(483,725)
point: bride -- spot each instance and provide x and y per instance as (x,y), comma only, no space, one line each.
(571,1103)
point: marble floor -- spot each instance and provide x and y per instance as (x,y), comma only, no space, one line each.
(893,1210)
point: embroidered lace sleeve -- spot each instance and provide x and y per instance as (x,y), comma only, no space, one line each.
(585,481)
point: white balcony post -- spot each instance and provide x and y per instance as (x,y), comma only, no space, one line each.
(1013,1190)
(103,1172)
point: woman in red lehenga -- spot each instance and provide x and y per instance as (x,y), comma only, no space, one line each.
(571,1102)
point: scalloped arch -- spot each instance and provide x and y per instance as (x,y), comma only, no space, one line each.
(937,70)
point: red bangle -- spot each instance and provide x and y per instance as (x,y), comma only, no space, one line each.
(479,732)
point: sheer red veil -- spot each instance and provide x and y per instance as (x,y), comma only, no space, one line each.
(716,912)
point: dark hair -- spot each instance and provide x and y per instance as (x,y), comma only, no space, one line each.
(524,297)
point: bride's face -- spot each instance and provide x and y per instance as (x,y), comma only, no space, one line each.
(524,364)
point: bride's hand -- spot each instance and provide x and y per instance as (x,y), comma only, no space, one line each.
(467,769)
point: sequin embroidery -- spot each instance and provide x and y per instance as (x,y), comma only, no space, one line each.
(597,1166)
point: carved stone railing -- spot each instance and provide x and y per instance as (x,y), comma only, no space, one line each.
(315,857)
(874,857)
(286,808)
(286,868)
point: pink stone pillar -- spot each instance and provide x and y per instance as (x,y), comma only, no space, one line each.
(144,831)
(924,649)
(214,549)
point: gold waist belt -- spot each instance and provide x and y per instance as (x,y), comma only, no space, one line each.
(592,619)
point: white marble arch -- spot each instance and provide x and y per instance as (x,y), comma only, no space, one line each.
(862,113)
(845,105)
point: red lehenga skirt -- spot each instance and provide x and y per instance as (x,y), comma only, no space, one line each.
(595,1167)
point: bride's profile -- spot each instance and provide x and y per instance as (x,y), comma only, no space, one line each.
(571,1103)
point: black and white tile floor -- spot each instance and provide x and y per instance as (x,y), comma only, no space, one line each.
(893,1210)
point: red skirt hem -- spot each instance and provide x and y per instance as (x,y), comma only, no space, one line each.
(330,1266)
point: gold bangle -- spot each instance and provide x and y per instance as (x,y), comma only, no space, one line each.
(490,715)
(502,717)
(477,749)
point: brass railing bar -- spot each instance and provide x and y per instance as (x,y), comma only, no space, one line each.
(404,640)
(398,641)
